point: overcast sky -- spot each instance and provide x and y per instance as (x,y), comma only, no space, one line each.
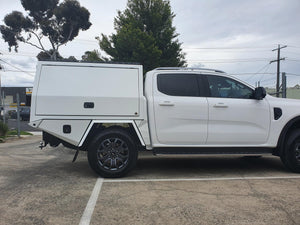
(236,36)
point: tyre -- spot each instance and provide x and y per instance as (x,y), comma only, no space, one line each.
(112,153)
(290,156)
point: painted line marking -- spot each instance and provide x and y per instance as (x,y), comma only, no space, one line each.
(200,179)
(88,212)
(89,209)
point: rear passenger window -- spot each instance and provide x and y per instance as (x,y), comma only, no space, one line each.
(178,84)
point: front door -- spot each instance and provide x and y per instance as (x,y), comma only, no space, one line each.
(235,118)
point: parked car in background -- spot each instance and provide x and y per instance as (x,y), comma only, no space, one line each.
(1,113)
(25,113)
(12,114)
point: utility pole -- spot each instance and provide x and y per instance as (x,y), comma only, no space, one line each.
(278,67)
(0,85)
(1,68)
(18,114)
(283,85)
(1,102)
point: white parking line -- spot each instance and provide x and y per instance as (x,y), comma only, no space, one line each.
(200,179)
(89,209)
(88,212)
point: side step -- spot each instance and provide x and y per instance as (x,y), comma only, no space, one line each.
(213,150)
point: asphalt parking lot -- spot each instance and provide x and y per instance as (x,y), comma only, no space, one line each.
(12,124)
(45,187)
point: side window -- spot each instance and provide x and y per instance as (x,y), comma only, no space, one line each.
(178,84)
(223,87)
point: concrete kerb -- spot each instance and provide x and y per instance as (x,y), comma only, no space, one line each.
(36,133)
(15,137)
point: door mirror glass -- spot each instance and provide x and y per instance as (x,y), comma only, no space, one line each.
(259,93)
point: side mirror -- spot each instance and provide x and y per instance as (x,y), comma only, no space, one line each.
(260,93)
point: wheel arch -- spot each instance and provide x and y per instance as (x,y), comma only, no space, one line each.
(288,128)
(97,126)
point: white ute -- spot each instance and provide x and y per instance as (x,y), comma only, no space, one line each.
(109,111)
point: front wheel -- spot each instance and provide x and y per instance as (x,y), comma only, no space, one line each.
(291,154)
(112,153)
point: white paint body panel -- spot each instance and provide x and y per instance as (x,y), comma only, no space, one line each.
(61,88)
(55,127)
(242,121)
(64,89)
(117,90)
(182,121)
(133,123)
(290,110)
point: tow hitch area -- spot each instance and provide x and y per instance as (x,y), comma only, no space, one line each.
(42,144)
(54,142)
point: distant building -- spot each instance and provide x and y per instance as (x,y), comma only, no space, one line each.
(10,96)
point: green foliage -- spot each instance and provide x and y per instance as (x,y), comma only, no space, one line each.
(60,23)
(292,92)
(3,129)
(92,56)
(44,56)
(47,55)
(144,34)
(15,132)
(71,59)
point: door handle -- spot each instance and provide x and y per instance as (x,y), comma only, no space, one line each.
(166,103)
(220,105)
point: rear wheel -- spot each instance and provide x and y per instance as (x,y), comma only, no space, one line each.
(113,153)
(291,154)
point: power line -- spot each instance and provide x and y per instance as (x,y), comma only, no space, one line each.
(86,40)
(251,73)
(192,60)
(272,78)
(292,74)
(239,59)
(28,71)
(223,48)
(19,54)
(16,67)
(248,61)
(296,53)
(294,60)
(240,51)
(264,73)
(257,72)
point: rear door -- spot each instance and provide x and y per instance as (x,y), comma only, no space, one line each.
(181,114)
(235,118)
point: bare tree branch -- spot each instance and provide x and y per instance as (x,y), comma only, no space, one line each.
(52,42)
(67,39)
(27,42)
(39,39)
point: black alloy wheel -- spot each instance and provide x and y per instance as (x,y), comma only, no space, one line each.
(291,153)
(113,153)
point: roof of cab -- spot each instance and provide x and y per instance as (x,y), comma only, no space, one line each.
(189,69)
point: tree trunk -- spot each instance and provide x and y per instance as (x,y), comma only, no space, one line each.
(53,56)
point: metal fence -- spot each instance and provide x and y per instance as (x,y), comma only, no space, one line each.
(8,113)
